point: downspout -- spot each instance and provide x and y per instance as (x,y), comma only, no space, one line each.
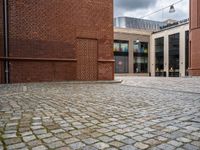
(6,47)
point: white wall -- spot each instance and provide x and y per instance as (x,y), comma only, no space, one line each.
(180,29)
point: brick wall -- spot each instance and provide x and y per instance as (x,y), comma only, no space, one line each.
(194,37)
(1,41)
(49,30)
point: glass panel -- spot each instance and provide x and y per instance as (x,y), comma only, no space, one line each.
(124,47)
(186,53)
(116,47)
(159,55)
(141,57)
(174,55)
(121,56)
(121,64)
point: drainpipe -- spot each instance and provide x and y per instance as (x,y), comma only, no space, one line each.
(6,47)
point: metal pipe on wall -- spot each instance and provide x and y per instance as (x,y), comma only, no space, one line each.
(6,46)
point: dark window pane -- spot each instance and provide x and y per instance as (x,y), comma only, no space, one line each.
(121,56)
(159,55)
(186,52)
(141,57)
(174,55)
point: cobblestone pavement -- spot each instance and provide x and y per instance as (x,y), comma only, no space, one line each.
(141,113)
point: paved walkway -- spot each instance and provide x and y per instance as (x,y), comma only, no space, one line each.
(140,113)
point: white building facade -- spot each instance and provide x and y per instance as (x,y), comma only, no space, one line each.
(169,51)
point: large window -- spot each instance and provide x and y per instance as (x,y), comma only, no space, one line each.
(120,46)
(174,55)
(140,57)
(186,52)
(121,56)
(159,55)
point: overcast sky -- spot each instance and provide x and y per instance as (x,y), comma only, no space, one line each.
(139,8)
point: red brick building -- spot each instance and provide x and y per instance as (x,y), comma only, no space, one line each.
(195,37)
(56,40)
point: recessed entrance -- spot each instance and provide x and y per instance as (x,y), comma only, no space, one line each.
(87,59)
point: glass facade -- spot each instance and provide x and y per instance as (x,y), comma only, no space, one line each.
(140,57)
(121,56)
(136,23)
(174,55)
(159,55)
(186,53)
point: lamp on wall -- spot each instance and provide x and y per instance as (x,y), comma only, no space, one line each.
(172,9)
(137,41)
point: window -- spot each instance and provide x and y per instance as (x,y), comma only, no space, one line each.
(159,55)
(121,46)
(174,55)
(141,57)
(186,53)
(121,56)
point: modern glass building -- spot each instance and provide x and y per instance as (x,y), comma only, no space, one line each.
(160,53)
(131,51)
(170,51)
(136,23)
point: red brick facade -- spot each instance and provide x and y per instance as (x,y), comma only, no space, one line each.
(45,36)
(194,37)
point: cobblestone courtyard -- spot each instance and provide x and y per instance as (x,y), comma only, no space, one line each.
(140,113)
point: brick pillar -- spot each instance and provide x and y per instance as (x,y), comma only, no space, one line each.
(194,37)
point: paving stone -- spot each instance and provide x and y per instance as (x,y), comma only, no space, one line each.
(8,136)
(101,145)
(38,132)
(90,141)
(16,146)
(190,146)
(64,148)
(71,140)
(128,141)
(77,145)
(119,137)
(131,134)
(63,135)
(152,142)
(139,138)
(50,140)
(166,146)
(12,141)
(89,148)
(29,138)
(34,143)
(56,144)
(128,147)
(184,140)
(196,143)
(175,143)
(42,136)
(141,145)
(105,139)
(41,147)
(57,131)
(116,144)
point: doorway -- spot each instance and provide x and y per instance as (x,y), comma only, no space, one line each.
(87,59)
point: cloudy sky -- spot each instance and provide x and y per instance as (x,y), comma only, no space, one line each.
(139,8)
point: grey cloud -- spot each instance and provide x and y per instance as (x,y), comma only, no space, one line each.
(122,6)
